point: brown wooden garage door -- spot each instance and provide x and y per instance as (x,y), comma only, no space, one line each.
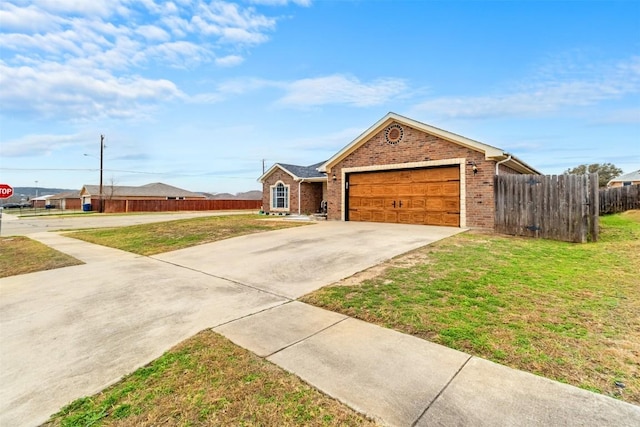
(415,196)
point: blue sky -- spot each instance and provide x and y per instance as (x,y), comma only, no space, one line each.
(197,93)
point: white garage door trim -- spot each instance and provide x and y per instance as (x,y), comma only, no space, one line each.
(414,165)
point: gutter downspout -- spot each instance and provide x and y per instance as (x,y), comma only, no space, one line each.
(501,162)
(299,198)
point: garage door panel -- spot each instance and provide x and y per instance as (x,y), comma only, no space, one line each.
(391,216)
(435,205)
(405,190)
(450,173)
(359,190)
(377,216)
(452,205)
(451,188)
(436,189)
(421,196)
(452,220)
(415,203)
(383,190)
(364,216)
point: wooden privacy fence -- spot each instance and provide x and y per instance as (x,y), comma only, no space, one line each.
(558,207)
(116,206)
(619,199)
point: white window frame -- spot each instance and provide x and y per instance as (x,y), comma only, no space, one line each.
(274,197)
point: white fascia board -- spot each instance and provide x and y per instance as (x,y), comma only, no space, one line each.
(274,167)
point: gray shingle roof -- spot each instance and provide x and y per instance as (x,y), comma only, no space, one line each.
(304,171)
(156,189)
(631,176)
(67,195)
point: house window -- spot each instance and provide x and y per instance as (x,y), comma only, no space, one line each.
(280,196)
(626,183)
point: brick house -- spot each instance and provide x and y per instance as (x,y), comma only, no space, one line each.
(90,194)
(631,178)
(293,189)
(400,171)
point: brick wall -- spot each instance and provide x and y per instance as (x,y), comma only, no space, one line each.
(311,193)
(280,175)
(417,146)
(311,197)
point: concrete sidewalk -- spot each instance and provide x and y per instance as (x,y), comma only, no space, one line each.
(70,332)
(400,380)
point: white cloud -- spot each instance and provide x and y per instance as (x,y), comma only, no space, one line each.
(631,115)
(87,54)
(340,89)
(305,3)
(153,32)
(229,61)
(553,92)
(330,143)
(78,7)
(334,89)
(60,90)
(232,24)
(30,18)
(42,144)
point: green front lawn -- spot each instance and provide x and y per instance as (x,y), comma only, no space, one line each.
(208,381)
(151,239)
(569,312)
(21,255)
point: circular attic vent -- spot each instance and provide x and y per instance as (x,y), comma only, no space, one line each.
(393,134)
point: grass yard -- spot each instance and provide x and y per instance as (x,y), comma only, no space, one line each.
(207,380)
(570,312)
(21,255)
(151,239)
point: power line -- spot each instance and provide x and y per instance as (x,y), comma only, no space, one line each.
(77,170)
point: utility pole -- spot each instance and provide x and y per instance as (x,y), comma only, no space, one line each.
(263,160)
(101,157)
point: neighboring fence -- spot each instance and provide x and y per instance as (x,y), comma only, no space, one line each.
(558,207)
(116,206)
(619,199)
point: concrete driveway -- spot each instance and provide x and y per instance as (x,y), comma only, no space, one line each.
(15,225)
(70,332)
(294,262)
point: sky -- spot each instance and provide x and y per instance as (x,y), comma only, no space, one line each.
(201,94)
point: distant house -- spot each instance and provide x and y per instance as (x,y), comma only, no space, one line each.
(398,170)
(69,200)
(631,178)
(40,202)
(154,191)
(90,194)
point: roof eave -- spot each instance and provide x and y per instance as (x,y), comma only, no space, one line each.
(488,150)
(314,179)
(515,163)
(264,176)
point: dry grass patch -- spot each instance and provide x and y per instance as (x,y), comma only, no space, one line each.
(151,239)
(207,380)
(570,312)
(21,255)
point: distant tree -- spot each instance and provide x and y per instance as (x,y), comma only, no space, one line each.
(606,171)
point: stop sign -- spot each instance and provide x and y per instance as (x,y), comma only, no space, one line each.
(6,191)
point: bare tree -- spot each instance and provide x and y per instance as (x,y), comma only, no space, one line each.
(111,188)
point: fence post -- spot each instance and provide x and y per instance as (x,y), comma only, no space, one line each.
(594,207)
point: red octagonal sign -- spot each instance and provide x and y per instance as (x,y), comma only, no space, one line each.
(6,191)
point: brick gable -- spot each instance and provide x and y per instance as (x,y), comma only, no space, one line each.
(418,146)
